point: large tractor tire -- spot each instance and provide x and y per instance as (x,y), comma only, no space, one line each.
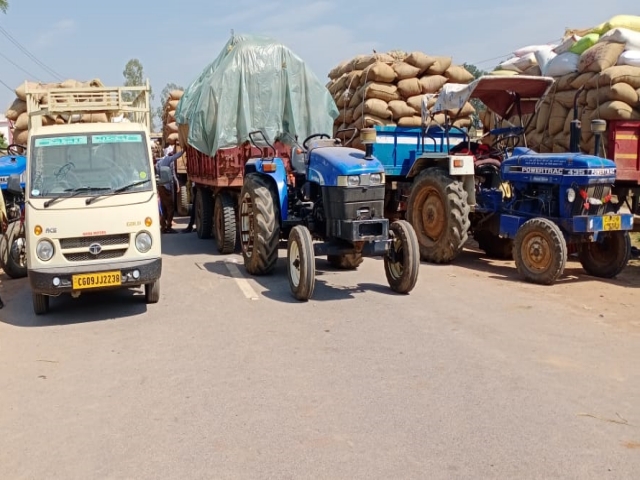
(204,213)
(349,261)
(494,246)
(402,261)
(607,257)
(14,268)
(540,251)
(259,225)
(183,201)
(438,211)
(224,216)
(301,263)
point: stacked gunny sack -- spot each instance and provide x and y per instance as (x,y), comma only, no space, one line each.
(17,112)
(170,128)
(387,90)
(599,66)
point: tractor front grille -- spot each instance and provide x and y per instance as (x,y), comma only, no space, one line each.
(598,192)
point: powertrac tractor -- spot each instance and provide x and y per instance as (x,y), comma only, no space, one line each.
(334,194)
(534,205)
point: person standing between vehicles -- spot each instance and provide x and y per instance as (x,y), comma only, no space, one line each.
(165,192)
(192,218)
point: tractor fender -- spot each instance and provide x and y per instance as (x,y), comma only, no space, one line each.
(277,177)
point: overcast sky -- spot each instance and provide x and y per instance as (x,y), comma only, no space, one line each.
(174,41)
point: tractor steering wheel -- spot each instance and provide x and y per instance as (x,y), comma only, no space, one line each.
(318,135)
(12,149)
(506,138)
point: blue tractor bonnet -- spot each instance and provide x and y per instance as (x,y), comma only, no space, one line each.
(11,165)
(328,163)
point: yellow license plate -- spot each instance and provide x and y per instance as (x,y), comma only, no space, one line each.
(96,280)
(611,222)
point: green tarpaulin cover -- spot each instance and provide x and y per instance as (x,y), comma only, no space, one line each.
(256,83)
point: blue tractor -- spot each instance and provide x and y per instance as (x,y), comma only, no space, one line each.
(333,194)
(12,172)
(13,163)
(515,202)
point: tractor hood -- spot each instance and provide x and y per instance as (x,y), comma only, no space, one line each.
(10,165)
(328,163)
(561,168)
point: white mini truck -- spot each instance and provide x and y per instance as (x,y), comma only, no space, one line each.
(91,205)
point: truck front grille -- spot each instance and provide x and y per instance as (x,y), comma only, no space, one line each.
(87,257)
(104,240)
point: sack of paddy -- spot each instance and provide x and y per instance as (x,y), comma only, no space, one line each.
(440,66)
(17,108)
(373,106)
(616,110)
(630,38)
(622,92)
(581,80)
(176,95)
(22,123)
(459,74)
(404,70)
(466,110)
(366,121)
(420,60)
(432,83)
(566,98)
(542,117)
(600,57)
(533,71)
(361,62)
(562,64)
(616,74)
(412,121)
(400,109)
(557,117)
(382,91)
(379,72)
(409,87)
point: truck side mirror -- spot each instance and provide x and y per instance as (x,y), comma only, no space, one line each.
(164,177)
(13,184)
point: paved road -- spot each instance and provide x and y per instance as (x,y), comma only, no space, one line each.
(474,375)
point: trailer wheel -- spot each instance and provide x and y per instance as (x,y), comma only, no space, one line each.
(301,263)
(152,292)
(438,211)
(224,216)
(183,201)
(40,303)
(494,246)
(14,238)
(606,257)
(402,261)
(259,225)
(349,261)
(204,213)
(540,251)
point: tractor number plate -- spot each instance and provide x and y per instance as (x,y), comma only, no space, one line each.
(96,280)
(611,222)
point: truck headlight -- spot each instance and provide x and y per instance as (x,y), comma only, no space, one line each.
(376,178)
(44,250)
(143,242)
(571,195)
(353,180)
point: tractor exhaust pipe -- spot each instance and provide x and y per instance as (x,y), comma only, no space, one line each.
(576,125)
(598,127)
(368,138)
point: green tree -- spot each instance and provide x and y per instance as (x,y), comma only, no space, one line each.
(164,97)
(134,76)
(4,6)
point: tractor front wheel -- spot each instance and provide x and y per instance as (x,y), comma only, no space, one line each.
(606,257)
(301,263)
(540,251)
(13,248)
(402,261)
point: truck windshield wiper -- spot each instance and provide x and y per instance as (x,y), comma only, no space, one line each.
(74,193)
(119,190)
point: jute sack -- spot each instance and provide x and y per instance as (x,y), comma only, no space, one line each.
(616,74)
(415,102)
(172,127)
(70,83)
(404,70)
(20,91)
(600,57)
(432,83)
(338,85)
(566,98)
(458,74)
(563,140)
(379,72)
(335,71)
(173,137)
(20,136)
(542,118)
(466,110)
(462,123)
(378,90)
(363,61)
(409,87)
(183,134)
(176,94)
(400,108)
(619,91)
(440,66)
(17,107)
(373,106)
(366,121)
(420,60)
(171,116)
(533,71)
(616,110)
(581,80)
(22,123)
(95,118)
(564,82)
(585,119)
(556,118)
(173,104)
(412,121)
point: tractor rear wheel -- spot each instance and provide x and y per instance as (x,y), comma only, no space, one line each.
(540,251)
(402,261)
(301,263)
(606,257)
(438,211)
(349,261)
(259,225)
(204,213)
(494,246)
(14,261)
(224,214)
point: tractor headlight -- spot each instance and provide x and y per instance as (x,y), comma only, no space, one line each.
(376,178)
(571,195)
(353,180)
(44,250)
(143,242)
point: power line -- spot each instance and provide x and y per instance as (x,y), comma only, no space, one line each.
(29,54)
(8,87)
(19,67)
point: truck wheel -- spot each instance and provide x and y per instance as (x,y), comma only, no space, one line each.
(494,246)
(183,201)
(301,263)
(204,213)
(224,219)
(152,292)
(438,211)
(607,257)
(540,251)
(40,303)
(259,225)
(14,238)
(402,261)
(349,261)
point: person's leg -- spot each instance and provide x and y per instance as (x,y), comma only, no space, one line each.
(165,196)
(192,218)
(170,212)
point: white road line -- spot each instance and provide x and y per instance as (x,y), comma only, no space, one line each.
(242,282)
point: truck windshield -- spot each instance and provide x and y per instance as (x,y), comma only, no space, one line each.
(92,163)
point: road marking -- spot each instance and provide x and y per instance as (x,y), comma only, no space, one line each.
(242,282)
